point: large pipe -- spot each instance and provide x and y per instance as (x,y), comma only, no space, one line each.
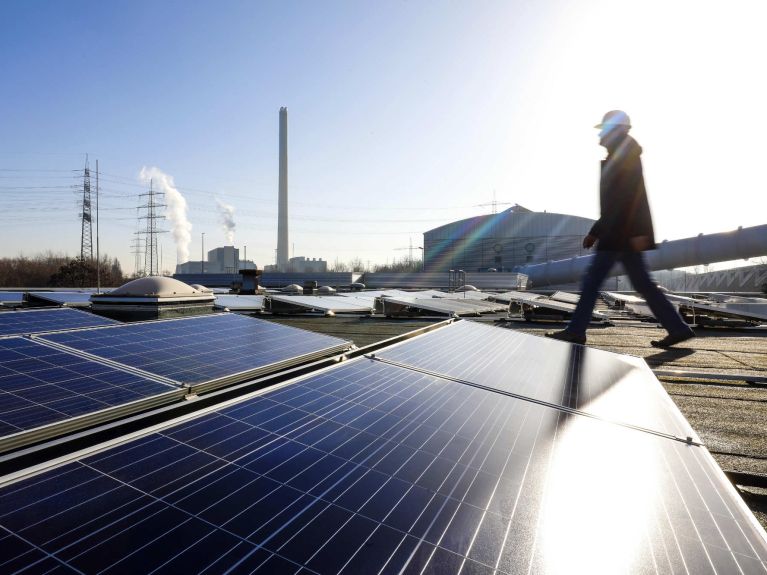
(282,218)
(742,243)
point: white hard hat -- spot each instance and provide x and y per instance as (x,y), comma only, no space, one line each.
(615,118)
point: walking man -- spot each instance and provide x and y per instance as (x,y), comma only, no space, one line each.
(623,231)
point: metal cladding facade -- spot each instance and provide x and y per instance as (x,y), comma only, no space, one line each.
(282,223)
(515,237)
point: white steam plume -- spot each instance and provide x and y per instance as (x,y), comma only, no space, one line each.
(175,211)
(226,218)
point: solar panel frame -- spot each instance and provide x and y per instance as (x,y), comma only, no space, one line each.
(361,468)
(34,321)
(203,352)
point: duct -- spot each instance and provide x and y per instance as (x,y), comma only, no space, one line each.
(742,243)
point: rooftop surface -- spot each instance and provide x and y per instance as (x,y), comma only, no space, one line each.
(730,415)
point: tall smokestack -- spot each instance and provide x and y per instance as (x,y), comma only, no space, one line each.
(282,223)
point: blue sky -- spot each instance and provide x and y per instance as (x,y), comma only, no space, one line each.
(403,116)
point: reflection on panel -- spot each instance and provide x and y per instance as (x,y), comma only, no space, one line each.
(598,382)
(370,467)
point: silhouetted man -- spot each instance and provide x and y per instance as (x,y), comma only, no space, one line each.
(623,231)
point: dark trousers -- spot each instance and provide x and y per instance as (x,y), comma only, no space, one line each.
(636,268)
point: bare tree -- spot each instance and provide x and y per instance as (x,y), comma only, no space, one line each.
(339,266)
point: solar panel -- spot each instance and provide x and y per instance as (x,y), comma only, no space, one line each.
(742,310)
(239,302)
(403,305)
(541,301)
(373,468)
(566,297)
(40,385)
(203,349)
(575,377)
(31,321)
(373,294)
(619,299)
(62,298)
(730,298)
(476,295)
(11,297)
(319,303)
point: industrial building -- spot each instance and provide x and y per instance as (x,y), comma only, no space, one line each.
(503,241)
(223,260)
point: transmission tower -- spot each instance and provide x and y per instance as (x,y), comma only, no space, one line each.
(136,249)
(151,259)
(86,239)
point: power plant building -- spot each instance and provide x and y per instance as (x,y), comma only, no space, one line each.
(500,242)
(223,260)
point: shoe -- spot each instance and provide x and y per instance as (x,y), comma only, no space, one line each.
(565,335)
(673,338)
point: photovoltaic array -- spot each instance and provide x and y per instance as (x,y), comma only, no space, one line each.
(37,321)
(373,467)
(201,349)
(40,385)
(574,377)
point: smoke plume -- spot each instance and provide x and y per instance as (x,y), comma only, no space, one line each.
(226,219)
(175,211)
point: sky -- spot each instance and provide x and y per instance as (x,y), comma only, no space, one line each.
(403,116)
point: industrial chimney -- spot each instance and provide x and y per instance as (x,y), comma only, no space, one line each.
(282,223)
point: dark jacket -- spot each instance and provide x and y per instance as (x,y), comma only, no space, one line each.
(625,212)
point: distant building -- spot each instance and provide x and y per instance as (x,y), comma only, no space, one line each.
(304,265)
(223,260)
(300,265)
(501,242)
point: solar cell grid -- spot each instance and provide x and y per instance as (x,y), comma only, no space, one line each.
(38,321)
(40,385)
(597,382)
(371,468)
(200,349)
